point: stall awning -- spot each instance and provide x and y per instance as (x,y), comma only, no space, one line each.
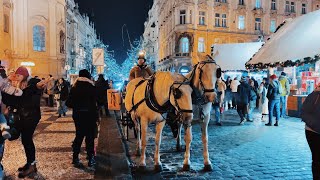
(296,41)
(233,57)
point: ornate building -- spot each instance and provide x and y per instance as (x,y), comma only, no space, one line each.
(81,38)
(177,30)
(32,33)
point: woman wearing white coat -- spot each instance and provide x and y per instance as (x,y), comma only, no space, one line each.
(263,102)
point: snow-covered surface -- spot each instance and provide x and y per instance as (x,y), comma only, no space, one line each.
(232,57)
(297,39)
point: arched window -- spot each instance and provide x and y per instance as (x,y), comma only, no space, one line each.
(184,45)
(62,42)
(39,38)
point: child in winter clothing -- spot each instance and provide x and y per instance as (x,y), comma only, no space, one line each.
(6,87)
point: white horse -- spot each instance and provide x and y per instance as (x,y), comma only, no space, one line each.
(203,78)
(166,89)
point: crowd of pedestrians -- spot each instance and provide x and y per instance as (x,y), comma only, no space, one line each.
(21,98)
(246,95)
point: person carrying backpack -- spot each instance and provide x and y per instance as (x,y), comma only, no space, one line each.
(273,95)
(310,114)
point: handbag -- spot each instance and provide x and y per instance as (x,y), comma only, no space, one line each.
(15,123)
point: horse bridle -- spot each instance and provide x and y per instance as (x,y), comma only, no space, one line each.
(201,65)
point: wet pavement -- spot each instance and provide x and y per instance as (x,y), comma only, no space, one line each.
(53,139)
(251,151)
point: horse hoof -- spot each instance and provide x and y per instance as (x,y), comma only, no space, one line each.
(142,168)
(207,168)
(158,168)
(186,167)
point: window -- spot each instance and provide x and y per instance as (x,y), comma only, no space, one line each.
(224,20)
(257,25)
(273,26)
(6,23)
(273,5)
(184,45)
(201,47)
(287,6)
(258,4)
(202,17)
(62,42)
(190,16)
(241,22)
(39,38)
(217,20)
(293,7)
(304,9)
(224,1)
(241,2)
(183,17)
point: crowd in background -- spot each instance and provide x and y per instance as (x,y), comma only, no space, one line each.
(246,95)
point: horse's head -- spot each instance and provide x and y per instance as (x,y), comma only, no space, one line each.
(205,75)
(181,99)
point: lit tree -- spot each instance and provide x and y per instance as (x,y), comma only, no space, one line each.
(132,55)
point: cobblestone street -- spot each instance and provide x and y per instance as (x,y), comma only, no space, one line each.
(252,151)
(53,139)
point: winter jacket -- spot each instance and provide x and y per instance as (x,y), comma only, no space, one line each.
(140,71)
(101,87)
(28,105)
(310,111)
(243,94)
(253,97)
(285,85)
(83,98)
(63,90)
(234,85)
(51,86)
(273,90)
(6,87)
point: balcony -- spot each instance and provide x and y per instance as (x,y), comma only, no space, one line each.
(182,54)
(221,4)
(258,11)
(241,6)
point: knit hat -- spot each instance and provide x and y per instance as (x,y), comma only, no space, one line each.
(283,74)
(273,77)
(22,71)
(84,73)
(243,78)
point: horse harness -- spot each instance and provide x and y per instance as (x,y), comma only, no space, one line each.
(152,102)
(200,98)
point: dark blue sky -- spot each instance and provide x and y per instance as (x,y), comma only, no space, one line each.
(111,15)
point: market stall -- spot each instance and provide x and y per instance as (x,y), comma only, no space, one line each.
(232,58)
(294,49)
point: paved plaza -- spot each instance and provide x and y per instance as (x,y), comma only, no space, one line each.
(252,151)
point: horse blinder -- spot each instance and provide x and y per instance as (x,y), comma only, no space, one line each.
(177,93)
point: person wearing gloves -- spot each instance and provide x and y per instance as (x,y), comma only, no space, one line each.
(27,107)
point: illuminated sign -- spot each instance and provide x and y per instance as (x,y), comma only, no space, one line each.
(28,64)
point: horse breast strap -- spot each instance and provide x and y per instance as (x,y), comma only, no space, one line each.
(151,100)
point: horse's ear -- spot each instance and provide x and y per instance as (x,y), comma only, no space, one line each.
(219,73)
(177,93)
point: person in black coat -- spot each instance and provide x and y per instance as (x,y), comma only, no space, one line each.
(83,100)
(243,99)
(28,109)
(62,93)
(102,86)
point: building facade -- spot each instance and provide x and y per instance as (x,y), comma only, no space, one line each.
(32,34)
(177,30)
(81,38)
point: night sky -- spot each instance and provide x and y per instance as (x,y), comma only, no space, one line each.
(110,15)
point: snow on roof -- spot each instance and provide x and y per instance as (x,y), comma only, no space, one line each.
(296,39)
(232,57)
